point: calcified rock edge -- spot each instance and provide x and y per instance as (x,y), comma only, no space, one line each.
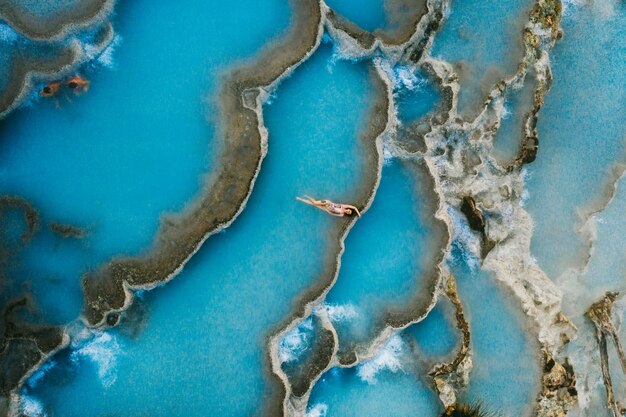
(23,346)
(244,89)
(60,37)
(465,178)
(600,313)
(468,180)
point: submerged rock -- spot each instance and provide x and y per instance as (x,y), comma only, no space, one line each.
(473,214)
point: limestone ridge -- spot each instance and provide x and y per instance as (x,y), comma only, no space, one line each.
(450,377)
(600,314)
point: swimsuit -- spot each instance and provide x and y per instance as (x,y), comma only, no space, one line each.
(335,208)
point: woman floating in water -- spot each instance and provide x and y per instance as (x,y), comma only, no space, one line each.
(331,208)
(78,83)
(51,89)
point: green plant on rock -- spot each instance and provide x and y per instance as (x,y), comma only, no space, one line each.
(467,410)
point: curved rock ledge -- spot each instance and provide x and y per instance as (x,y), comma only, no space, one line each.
(320,355)
(379,123)
(396,36)
(54,27)
(31,215)
(395,319)
(588,223)
(23,348)
(600,314)
(354,42)
(420,304)
(456,148)
(243,89)
(296,405)
(450,377)
(26,71)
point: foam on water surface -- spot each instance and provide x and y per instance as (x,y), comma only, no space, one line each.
(386,385)
(368,14)
(483,40)
(137,144)
(245,280)
(416,94)
(388,257)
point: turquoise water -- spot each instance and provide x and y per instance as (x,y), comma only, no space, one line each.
(136,144)
(609,253)
(203,342)
(384,386)
(604,271)
(368,14)
(483,40)
(15,47)
(416,96)
(517,103)
(506,373)
(436,336)
(581,130)
(297,346)
(388,255)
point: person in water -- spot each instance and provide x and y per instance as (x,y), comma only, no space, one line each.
(78,83)
(51,89)
(334,209)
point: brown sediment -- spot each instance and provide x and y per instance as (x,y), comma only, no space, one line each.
(364,38)
(378,120)
(411,136)
(461,324)
(54,25)
(59,60)
(403,19)
(67,231)
(526,94)
(476,222)
(226,190)
(23,347)
(600,314)
(530,140)
(23,65)
(546,13)
(31,215)
(473,214)
(317,361)
(416,51)
(450,377)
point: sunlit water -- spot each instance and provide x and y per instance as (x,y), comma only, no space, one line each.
(583,127)
(136,145)
(245,280)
